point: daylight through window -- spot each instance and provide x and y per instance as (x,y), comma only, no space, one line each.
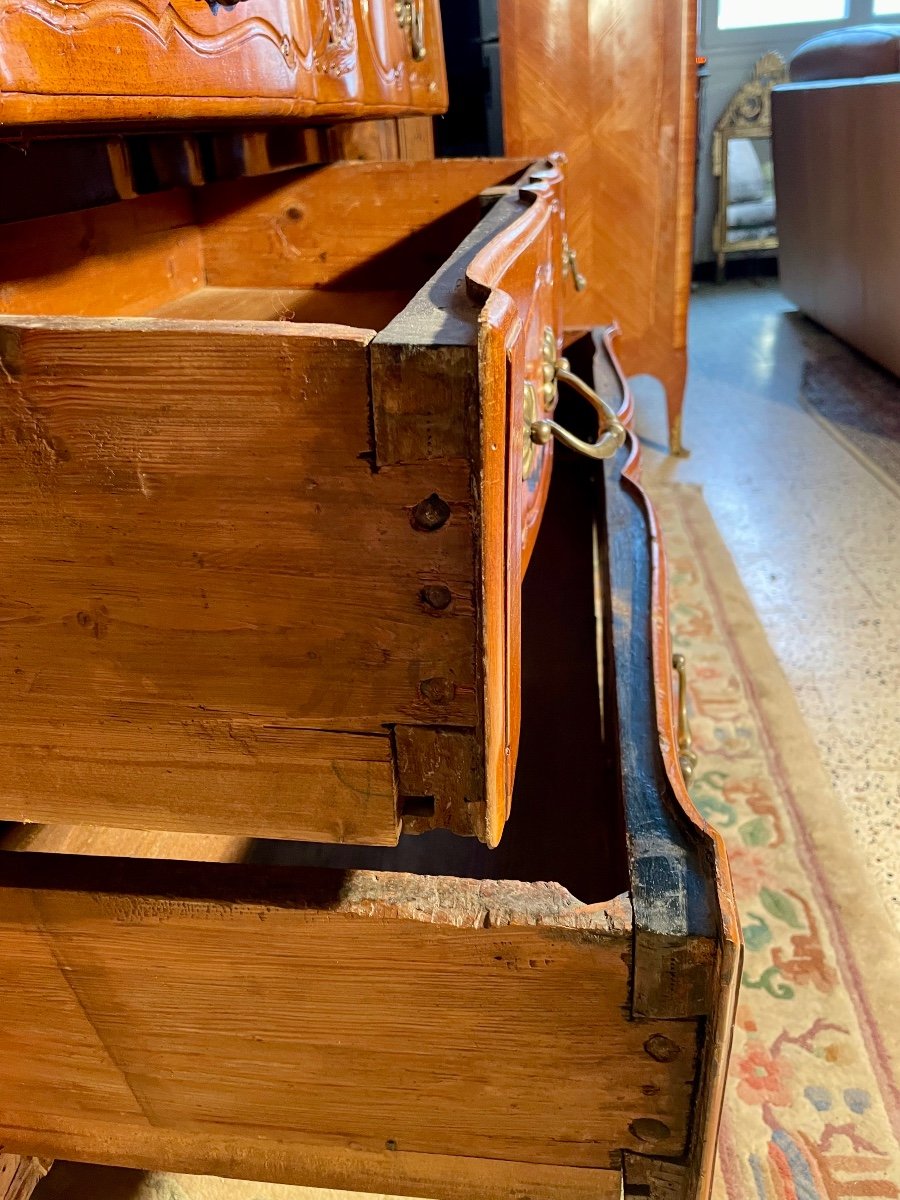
(746,14)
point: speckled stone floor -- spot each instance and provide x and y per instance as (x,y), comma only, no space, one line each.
(813,532)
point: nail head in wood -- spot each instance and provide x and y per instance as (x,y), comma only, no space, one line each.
(437,595)
(431,513)
(661,1048)
(648,1129)
(438,690)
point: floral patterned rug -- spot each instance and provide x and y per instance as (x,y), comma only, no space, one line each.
(813,1110)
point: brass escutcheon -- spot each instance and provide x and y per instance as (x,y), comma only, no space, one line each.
(529,450)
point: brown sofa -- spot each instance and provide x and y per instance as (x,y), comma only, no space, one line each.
(837,179)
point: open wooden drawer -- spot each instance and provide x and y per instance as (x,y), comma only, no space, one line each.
(434,1019)
(264,519)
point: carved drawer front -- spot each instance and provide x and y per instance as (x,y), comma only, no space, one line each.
(138,60)
(262,563)
(396,1019)
(401,54)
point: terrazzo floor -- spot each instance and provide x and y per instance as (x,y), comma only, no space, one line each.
(813,532)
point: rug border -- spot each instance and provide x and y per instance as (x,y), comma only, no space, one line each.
(869,965)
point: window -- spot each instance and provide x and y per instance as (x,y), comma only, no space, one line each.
(885,8)
(747,14)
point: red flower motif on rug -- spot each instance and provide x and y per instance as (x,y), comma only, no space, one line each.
(763,1078)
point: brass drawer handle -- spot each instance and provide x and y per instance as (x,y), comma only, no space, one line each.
(687,755)
(570,265)
(411,15)
(612,431)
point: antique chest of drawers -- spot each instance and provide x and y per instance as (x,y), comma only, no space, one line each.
(310,560)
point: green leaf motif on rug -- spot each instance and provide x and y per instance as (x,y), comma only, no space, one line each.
(756,832)
(769,982)
(716,811)
(715,780)
(780,906)
(757,935)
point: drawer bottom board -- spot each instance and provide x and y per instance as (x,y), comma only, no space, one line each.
(439,1177)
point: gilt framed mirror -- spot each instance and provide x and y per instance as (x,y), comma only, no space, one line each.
(745,220)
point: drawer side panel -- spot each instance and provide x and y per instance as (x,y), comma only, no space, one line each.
(209,596)
(188,1014)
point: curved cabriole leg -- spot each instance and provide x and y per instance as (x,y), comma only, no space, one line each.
(674,380)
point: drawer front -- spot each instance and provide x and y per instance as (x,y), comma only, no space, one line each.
(401,53)
(187,48)
(197,59)
(520,332)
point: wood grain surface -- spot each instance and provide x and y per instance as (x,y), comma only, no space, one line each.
(351,225)
(319,306)
(359,227)
(122,260)
(19,1175)
(192,604)
(343,1173)
(105,62)
(612,84)
(322,1009)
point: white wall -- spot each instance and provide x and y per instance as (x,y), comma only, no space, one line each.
(731,57)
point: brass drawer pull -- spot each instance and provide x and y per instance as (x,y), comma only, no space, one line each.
(570,266)
(612,431)
(411,15)
(687,755)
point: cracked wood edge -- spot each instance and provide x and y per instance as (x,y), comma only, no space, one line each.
(20,1175)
